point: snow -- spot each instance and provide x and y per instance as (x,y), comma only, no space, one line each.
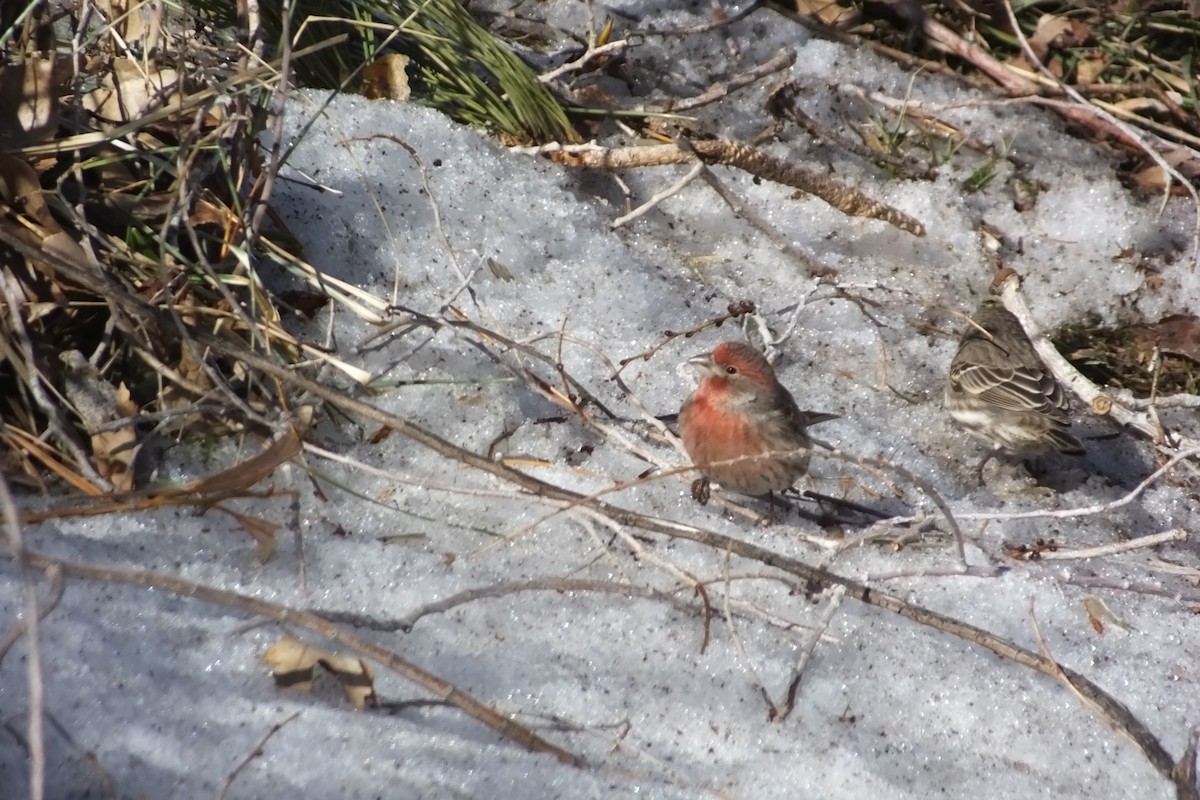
(168,693)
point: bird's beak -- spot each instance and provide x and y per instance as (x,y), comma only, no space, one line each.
(703,364)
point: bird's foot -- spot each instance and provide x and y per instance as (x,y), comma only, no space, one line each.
(701,491)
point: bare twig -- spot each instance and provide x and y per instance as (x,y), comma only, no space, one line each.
(1061,513)
(1126,585)
(33,662)
(1120,720)
(1096,398)
(579,63)
(439,687)
(1138,543)
(549,584)
(734,311)
(19,628)
(1187,784)
(253,754)
(844,198)
(674,189)
(740,646)
(833,601)
(780,61)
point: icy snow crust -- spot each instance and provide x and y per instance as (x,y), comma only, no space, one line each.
(169,694)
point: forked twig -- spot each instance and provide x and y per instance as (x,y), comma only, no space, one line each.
(832,604)
(253,754)
(33,663)
(1137,543)
(439,687)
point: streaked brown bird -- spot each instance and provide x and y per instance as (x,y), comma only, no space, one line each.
(742,414)
(1000,391)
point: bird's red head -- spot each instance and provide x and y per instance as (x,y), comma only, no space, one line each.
(730,359)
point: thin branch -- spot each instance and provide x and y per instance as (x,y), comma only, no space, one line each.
(253,754)
(579,63)
(20,627)
(1125,585)
(832,603)
(439,687)
(674,189)
(1059,513)
(739,644)
(33,662)
(549,584)
(1139,543)
(1099,401)
(1120,720)
(782,60)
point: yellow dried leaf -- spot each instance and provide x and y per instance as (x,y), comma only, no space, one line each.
(113,453)
(385,78)
(129,90)
(1098,611)
(1141,105)
(828,12)
(1087,70)
(260,530)
(22,191)
(29,93)
(1049,28)
(137,21)
(293,665)
(1152,180)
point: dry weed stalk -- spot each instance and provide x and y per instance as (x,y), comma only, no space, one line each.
(284,615)
(848,200)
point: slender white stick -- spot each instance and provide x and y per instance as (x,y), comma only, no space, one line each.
(1153,540)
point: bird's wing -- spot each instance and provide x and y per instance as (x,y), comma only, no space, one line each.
(1013,389)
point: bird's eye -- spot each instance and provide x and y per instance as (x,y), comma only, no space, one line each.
(731,370)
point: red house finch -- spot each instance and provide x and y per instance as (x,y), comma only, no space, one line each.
(741,411)
(999,390)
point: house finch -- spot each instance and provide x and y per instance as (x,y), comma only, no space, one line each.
(999,390)
(743,415)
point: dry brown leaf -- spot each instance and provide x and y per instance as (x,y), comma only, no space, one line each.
(260,530)
(1049,28)
(115,451)
(1178,334)
(136,21)
(1094,613)
(29,93)
(1151,180)
(385,78)
(240,477)
(129,90)
(1088,70)
(829,12)
(21,190)
(97,403)
(1142,105)
(1098,611)
(293,665)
